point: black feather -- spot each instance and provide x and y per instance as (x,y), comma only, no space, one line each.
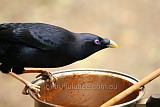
(43,45)
(38,35)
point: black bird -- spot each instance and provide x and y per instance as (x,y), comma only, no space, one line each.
(43,45)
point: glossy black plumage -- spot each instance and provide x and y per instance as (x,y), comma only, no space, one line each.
(42,45)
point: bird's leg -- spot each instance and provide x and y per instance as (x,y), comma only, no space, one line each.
(33,87)
(51,81)
(42,73)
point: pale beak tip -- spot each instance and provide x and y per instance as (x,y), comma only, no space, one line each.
(112,44)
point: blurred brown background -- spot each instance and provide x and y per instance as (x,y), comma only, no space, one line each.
(134,25)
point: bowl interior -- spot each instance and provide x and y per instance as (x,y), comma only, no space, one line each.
(87,88)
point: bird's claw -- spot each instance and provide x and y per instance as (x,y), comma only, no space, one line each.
(50,81)
(33,87)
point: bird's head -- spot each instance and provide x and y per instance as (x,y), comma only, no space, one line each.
(89,43)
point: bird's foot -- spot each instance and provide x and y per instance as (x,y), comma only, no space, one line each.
(50,81)
(33,87)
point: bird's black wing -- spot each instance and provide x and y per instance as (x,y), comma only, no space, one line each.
(38,35)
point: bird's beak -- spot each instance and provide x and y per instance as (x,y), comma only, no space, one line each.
(112,44)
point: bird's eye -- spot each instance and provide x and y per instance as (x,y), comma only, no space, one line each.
(97,42)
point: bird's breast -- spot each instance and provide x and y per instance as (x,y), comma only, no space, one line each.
(20,55)
(30,57)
